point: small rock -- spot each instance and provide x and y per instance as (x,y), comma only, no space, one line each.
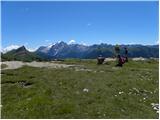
(129,93)
(136,90)
(155,107)
(121,92)
(85,90)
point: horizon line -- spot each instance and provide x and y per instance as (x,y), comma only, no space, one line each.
(80,1)
(14,46)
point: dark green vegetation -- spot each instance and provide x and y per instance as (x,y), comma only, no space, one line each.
(89,91)
(3,66)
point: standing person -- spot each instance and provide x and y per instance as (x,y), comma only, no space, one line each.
(126,54)
(117,50)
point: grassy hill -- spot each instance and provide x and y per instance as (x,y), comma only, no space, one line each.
(20,54)
(90,91)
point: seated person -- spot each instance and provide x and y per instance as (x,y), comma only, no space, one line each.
(100,59)
(121,61)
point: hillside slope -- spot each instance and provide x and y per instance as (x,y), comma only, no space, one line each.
(20,54)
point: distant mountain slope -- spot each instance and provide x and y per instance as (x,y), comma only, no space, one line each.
(143,51)
(63,50)
(20,54)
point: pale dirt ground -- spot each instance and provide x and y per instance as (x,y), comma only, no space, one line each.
(139,58)
(109,59)
(134,59)
(18,64)
(52,64)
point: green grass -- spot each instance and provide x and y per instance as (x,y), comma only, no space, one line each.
(3,66)
(30,92)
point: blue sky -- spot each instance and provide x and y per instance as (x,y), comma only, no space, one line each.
(34,24)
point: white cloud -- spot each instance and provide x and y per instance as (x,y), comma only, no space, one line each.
(31,49)
(9,48)
(132,43)
(71,42)
(157,42)
(100,41)
(47,40)
(89,24)
(83,43)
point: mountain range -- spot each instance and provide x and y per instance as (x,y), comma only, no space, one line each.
(63,50)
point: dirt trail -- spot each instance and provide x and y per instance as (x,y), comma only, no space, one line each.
(139,59)
(110,59)
(18,64)
(134,59)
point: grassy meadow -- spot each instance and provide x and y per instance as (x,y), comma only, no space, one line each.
(84,91)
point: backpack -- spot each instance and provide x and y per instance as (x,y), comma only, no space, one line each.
(123,60)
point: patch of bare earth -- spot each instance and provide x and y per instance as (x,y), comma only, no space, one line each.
(18,64)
